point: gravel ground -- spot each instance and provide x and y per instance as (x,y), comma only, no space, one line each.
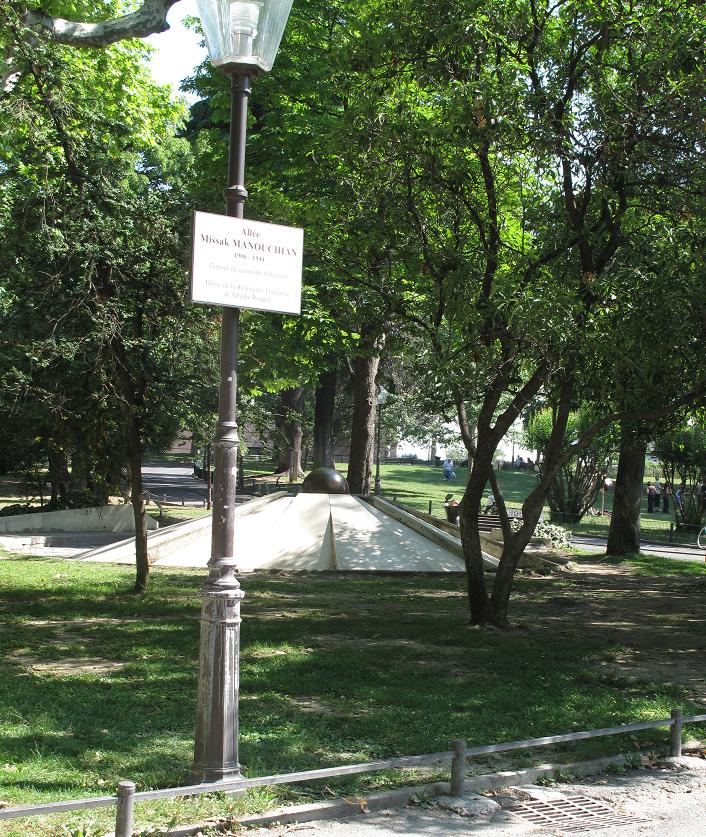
(669,796)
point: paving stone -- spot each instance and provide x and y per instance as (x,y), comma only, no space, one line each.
(469,805)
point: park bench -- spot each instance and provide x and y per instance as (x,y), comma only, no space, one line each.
(486,522)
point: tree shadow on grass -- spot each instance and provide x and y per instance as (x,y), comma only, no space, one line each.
(323,680)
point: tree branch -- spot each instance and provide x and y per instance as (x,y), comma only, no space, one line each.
(151,17)
(10,74)
(465,425)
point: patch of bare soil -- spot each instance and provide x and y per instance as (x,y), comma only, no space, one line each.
(64,640)
(66,667)
(656,623)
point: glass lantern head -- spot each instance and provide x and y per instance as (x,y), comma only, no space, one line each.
(243,33)
(382,396)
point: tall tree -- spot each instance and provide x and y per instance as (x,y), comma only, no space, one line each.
(324,417)
(528,140)
(624,531)
(93,241)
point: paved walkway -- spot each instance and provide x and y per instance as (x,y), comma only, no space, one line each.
(175,480)
(676,552)
(59,544)
(669,799)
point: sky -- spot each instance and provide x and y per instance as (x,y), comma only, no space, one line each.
(178,49)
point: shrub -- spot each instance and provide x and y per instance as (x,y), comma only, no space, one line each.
(560,537)
(17,508)
(573,490)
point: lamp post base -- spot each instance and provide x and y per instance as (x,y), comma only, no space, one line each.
(202,776)
(216,747)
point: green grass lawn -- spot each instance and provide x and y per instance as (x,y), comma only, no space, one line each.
(654,566)
(416,484)
(97,685)
(176,514)
(652,526)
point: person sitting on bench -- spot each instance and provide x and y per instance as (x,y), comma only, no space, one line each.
(452,508)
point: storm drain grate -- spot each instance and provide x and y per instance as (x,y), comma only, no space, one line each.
(571,815)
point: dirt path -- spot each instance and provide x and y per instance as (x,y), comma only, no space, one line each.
(659,622)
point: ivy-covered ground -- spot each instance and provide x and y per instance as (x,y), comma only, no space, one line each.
(97,685)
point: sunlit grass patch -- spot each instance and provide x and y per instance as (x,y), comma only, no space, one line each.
(334,669)
(652,565)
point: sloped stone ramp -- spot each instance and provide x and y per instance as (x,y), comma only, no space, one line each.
(307,532)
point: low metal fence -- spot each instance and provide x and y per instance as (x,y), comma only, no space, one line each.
(683,533)
(127,795)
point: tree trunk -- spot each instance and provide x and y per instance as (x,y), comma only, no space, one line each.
(138,502)
(281,444)
(493,609)
(58,476)
(240,479)
(513,547)
(81,477)
(489,609)
(324,414)
(209,487)
(624,532)
(288,423)
(360,462)
(478,601)
(295,435)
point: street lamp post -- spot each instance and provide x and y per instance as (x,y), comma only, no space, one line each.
(242,39)
(381,399)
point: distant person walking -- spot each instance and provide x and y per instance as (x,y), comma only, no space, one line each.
(448,467)
(658,494)
(650,497)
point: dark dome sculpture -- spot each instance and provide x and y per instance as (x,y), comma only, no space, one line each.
(325,481)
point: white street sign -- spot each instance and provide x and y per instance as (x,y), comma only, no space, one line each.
(246,264)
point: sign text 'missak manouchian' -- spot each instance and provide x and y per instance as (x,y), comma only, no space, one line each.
(246,264)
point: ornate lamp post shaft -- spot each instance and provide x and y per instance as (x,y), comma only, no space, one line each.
(216,747)
(242,37)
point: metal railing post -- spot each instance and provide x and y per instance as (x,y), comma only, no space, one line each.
(675,733)
(429,508)
(125,809)
(458,767)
